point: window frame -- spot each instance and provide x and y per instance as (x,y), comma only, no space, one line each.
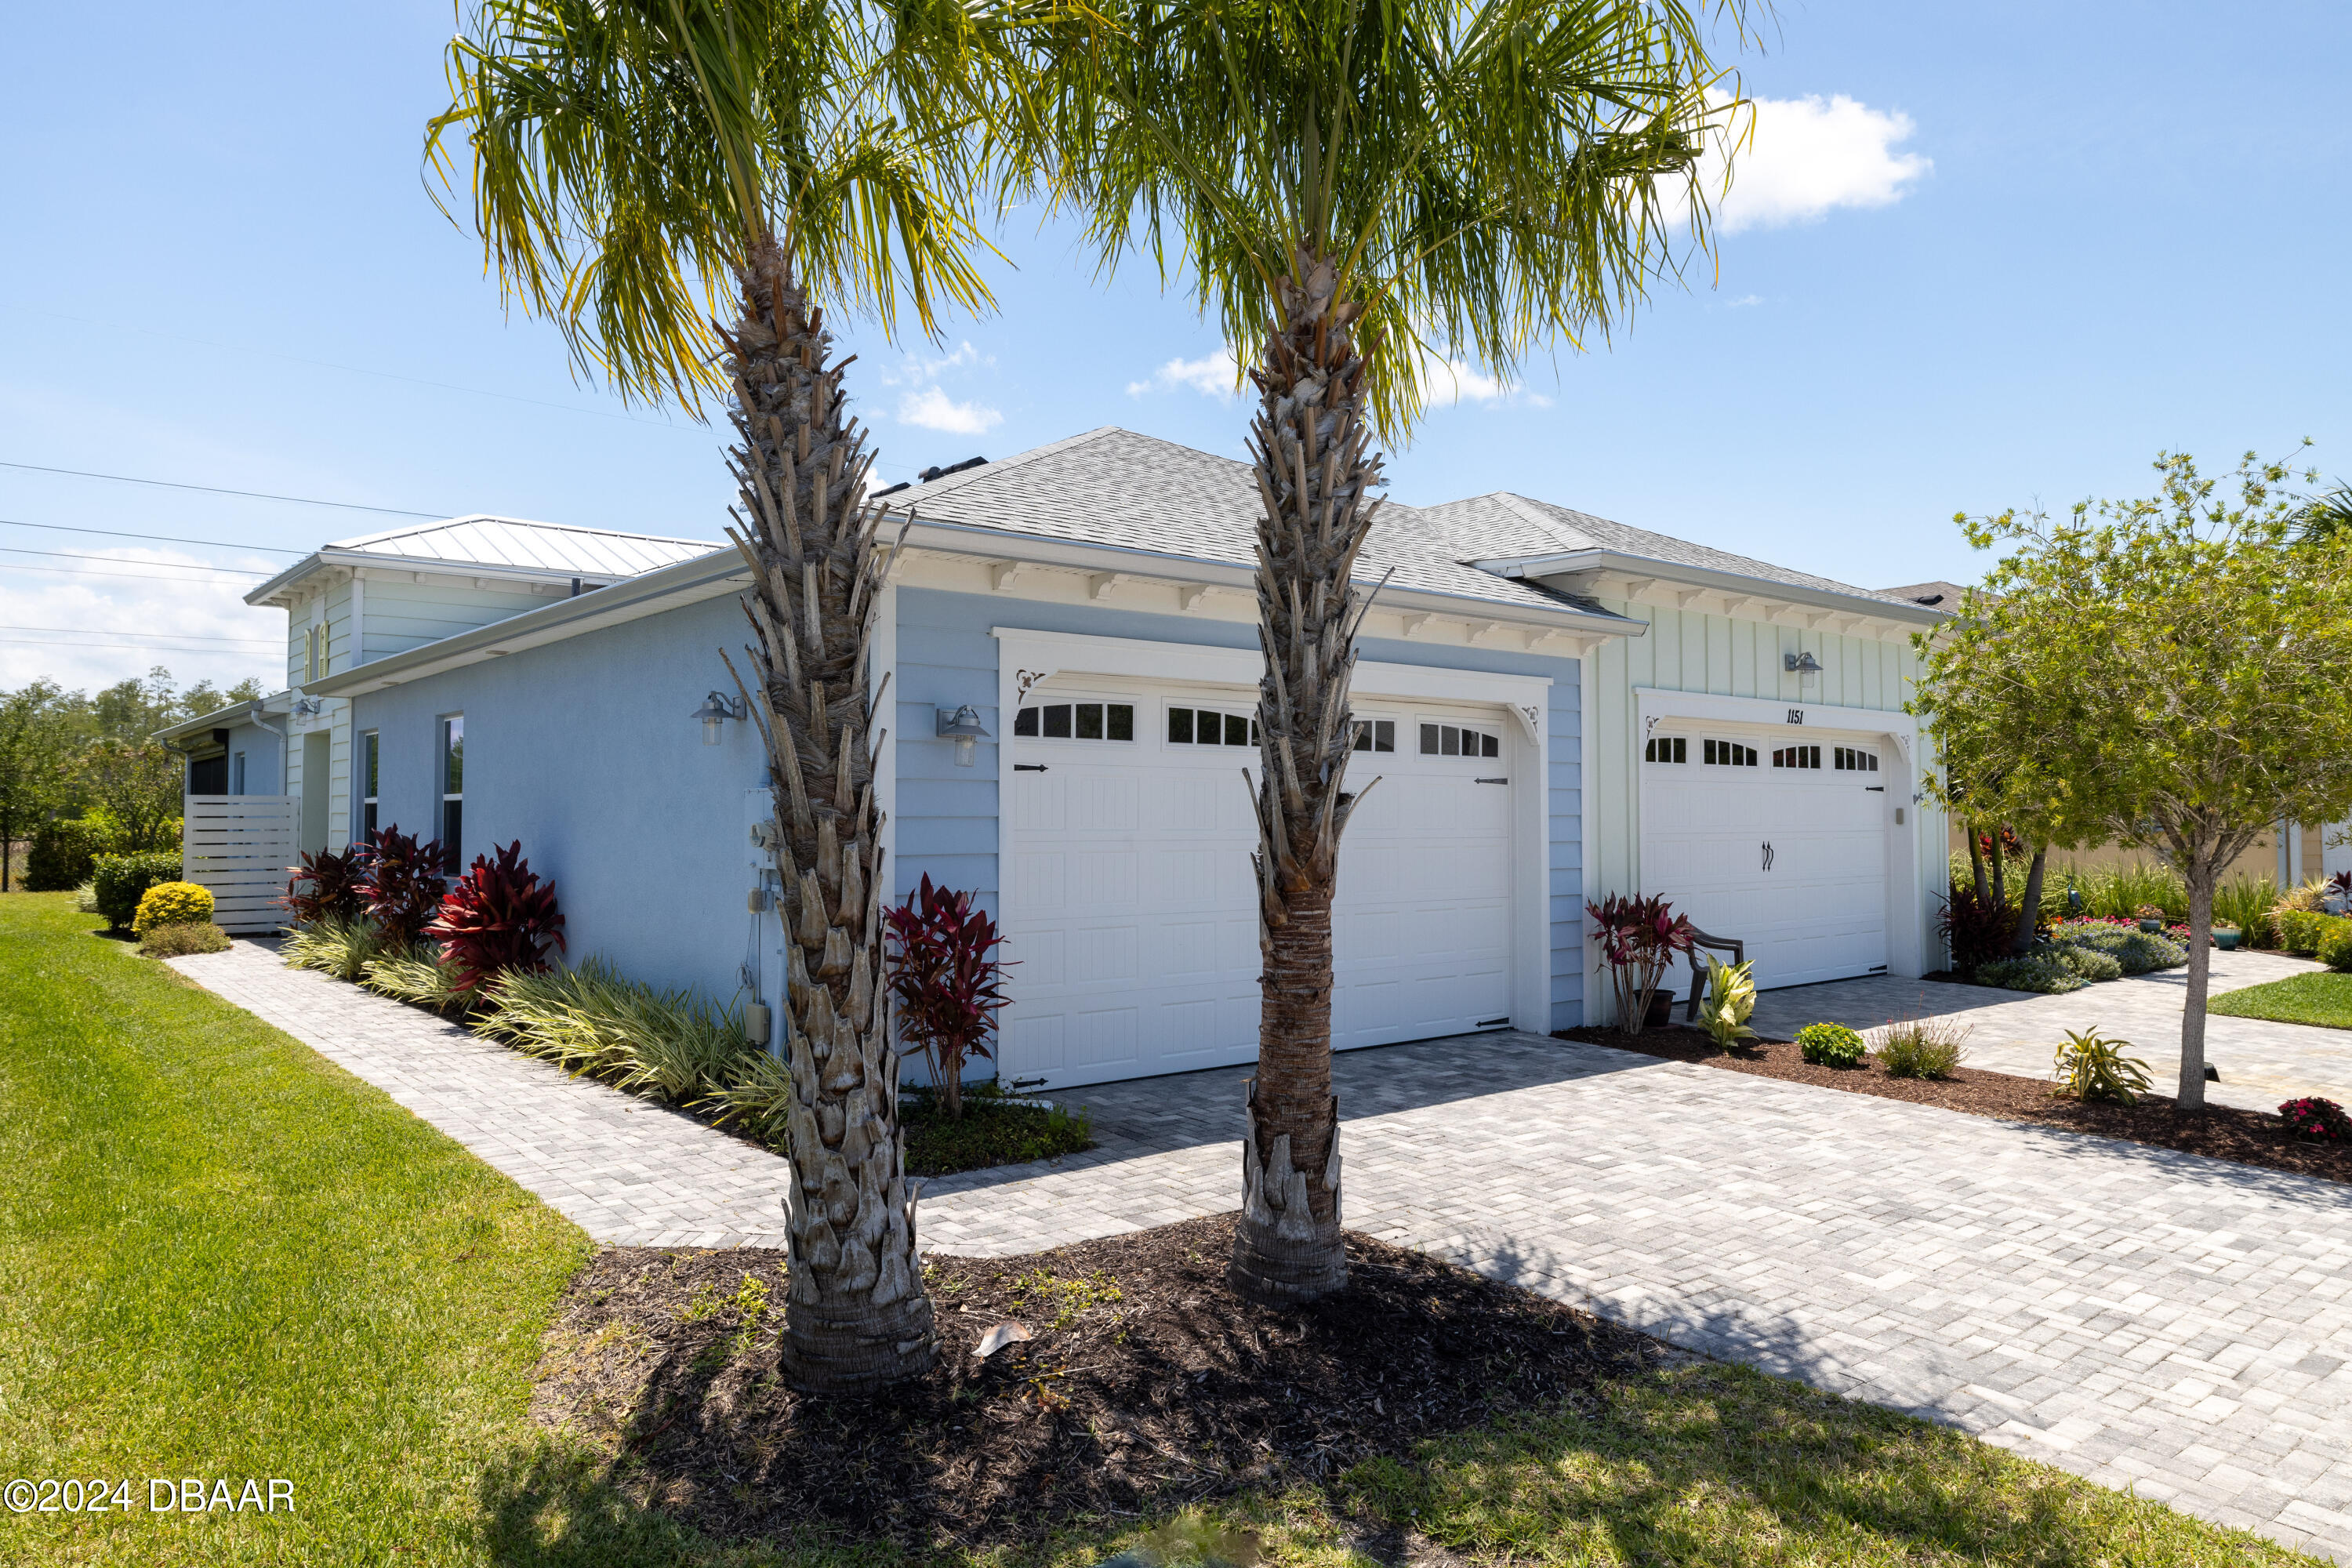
(1073,703)
(451,824)
(1423,723)
(1227,715)
(370,769)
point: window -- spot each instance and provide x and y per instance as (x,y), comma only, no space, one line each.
(1727,754)
(1210,727)
(1797,757)
(1077,721)
(236,774)
(1375,734)
(1669,749)
(368,770)
(453,789)
(1458,741)
(1854,759)
(310,640)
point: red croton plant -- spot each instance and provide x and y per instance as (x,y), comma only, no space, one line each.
(401,880)
(947,980)
(499,917)
(325,887)
(1640,938)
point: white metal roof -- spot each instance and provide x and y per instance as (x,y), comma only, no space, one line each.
(484,541)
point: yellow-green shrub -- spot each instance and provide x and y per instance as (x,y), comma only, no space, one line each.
(171,904)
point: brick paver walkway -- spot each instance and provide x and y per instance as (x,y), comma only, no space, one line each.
(2143,1318)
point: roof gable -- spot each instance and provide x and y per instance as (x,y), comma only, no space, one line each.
(516,544)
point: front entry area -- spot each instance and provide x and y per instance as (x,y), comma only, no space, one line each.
(1131,902)
(1776,839)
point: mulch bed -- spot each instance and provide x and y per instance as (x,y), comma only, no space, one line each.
(2222,1131)
(1149,1384)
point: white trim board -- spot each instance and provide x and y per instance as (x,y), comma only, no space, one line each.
(1026,659)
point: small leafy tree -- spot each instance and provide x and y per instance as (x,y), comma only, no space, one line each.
(499,918)
(947,981)
(2172,673)
(36,740)
(138,783)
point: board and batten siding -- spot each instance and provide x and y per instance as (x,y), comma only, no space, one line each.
(946,822)
(1727,656)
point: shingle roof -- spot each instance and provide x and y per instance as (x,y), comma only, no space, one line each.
(1115,486)
(552,547)
(1112,485)
(1504,524)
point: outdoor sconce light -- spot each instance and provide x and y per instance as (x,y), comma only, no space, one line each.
(307,707)
(716,710)
(1803,665)
(963,728)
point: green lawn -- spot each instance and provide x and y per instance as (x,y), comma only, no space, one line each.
(221,1257)
(2323,997)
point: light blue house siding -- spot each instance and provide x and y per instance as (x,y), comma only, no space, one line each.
(946,822)
(265,759)
(584,750)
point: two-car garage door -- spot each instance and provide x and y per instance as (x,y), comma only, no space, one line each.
(1777,840)
(1129,903)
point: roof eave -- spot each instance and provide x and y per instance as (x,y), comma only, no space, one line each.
(632,598)
(1573,562)
(1048,550)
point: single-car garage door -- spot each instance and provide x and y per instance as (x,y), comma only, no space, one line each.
(1779,842)
(1130,900)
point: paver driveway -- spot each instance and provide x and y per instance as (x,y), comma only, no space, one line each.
(2140,1316)
(2260,1063)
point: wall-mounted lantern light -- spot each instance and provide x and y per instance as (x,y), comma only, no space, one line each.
(716,710)
(1804,665)
(307,707)
(962,727)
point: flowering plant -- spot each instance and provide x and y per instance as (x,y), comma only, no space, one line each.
(2312,1117)
(1640,938)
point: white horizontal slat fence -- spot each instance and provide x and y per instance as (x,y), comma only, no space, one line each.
(237,847)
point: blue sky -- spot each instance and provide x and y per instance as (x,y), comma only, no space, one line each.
(2004,253)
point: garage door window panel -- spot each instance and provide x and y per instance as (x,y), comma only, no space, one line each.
(1077,721)
(1192,726)
(1442,739)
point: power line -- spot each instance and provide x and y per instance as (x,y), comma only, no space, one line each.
(140,647)
(86,556)
(148,576)
(219,490)
(111,631)
(163,538)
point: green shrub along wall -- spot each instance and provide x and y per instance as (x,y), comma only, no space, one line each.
(123,880)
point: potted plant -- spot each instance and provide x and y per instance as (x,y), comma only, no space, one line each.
(1640,939)
(2151,918)
(2227,938)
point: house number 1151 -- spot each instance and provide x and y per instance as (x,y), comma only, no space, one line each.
(1796,715)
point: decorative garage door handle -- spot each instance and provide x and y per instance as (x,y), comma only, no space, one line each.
(1028,767)
(1503,780)
(1768,854)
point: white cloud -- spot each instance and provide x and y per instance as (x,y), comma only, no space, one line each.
(935,410)
(1743,301)
(1211,375)
(1807,156)
(85,631)
(1452,382)
(913,372)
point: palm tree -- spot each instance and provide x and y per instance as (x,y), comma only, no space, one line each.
(1363,189)
(629,159)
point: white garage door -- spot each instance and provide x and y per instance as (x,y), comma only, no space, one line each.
(1130,900)
(1779,842)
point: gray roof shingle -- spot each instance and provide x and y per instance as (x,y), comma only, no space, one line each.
(1115,486)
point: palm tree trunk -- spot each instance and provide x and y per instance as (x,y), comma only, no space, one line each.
(1314,474)
(855,1317)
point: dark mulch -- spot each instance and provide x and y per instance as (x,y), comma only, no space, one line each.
(2222,1131)
(1149,1384)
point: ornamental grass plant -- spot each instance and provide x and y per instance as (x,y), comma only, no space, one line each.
(1922,1048)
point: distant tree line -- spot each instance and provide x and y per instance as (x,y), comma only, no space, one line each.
(91,759)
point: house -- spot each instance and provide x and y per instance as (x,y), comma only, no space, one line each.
(1557,707)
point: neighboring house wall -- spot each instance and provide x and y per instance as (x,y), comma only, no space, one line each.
(584,750)
(264,759)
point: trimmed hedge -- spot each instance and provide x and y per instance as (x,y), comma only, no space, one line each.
(123,880)
(173,903)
